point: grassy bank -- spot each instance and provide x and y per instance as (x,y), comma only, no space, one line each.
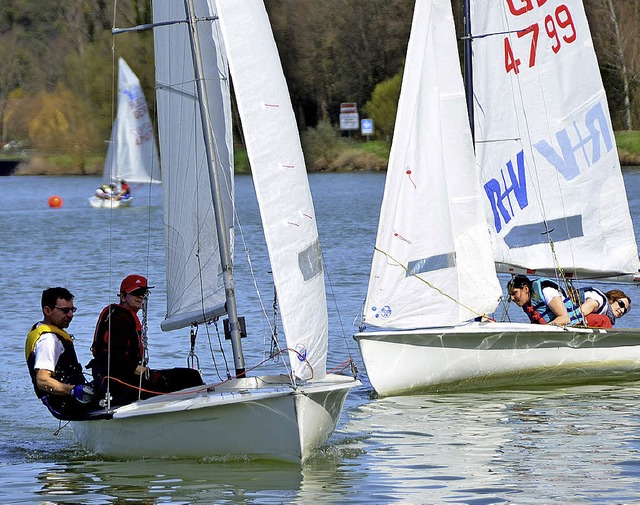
(325,150)
(628,147)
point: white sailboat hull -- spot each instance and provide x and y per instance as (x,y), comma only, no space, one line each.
(489,355)
(257,417)
(109,203)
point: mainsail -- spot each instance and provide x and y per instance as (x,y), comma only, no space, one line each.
(195,288)
(433,264)
(554,193)
(132,154)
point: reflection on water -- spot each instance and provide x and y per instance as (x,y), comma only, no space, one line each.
(578,444)
(154,481)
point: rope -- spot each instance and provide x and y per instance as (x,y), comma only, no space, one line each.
(446,295)
(339,314)
(207,387)
(193,361)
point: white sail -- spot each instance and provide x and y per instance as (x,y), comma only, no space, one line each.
(268,416)
(132,154)
(195,288)
(280,179)
(432,265)
(545,143)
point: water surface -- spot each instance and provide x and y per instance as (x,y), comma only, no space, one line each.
(562,445)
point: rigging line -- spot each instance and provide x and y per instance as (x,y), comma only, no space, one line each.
(519,92)
(193,147)
(446,295)
(335,302)
(560,274)
(491,34)
(224,357)
(60,427)
(258,292)
(201,279)
(114,97)
(228,184)
(211,387)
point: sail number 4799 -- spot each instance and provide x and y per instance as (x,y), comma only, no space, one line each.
(559,28)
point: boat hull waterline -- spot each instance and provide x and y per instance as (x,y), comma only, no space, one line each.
(109,203)
(492,355)
(255,418)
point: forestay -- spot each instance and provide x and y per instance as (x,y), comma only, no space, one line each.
(132,154)
(433,264)
(545,143)
(280,179)
(195,288)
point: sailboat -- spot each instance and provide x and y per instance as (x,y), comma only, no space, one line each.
(449,224)
(199,46)
(132,154)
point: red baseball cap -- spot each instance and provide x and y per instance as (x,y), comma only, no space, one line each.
(133,282)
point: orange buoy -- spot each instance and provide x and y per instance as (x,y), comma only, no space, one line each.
(55,201)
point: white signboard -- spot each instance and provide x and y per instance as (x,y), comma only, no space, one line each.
(349,118)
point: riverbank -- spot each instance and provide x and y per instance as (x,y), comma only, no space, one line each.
(323,152)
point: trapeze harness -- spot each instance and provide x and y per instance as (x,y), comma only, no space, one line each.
(540,313)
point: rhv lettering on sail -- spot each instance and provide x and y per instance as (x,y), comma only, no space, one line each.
(579,145)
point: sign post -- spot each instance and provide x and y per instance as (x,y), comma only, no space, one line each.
(349,118)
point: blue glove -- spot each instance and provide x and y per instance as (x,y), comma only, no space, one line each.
(82,393)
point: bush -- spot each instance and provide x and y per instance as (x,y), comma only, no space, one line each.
(383,106)
(325,150)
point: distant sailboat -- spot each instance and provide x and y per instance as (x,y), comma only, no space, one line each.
(132,154)
(546,198)
(199,45)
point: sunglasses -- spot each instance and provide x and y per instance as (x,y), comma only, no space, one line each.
(66,310)
(138,292)
(622,305)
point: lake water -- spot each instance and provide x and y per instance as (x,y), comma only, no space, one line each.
(542,446)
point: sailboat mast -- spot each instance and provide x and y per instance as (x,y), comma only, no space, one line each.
(225,250)
(468,61)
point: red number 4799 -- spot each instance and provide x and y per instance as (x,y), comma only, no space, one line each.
(558,28)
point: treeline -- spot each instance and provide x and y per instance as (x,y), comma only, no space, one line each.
(58,61)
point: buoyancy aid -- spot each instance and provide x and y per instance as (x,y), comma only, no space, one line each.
(604,308)
(544,311)
(68,369)
(100,344)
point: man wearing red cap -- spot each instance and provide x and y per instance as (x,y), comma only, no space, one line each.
(118,351)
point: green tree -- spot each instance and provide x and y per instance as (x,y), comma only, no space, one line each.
(60,122)
(383,106)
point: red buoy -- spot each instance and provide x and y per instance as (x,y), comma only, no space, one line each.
(55,201)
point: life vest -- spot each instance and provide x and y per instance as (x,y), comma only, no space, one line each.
(68,370)
(604,308)
(544,311)
(100,346)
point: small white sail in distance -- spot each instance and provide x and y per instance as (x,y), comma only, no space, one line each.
(132,154)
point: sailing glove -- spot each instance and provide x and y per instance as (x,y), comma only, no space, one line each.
(82,393)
